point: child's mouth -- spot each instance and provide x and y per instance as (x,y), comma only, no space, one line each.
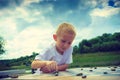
(63,49)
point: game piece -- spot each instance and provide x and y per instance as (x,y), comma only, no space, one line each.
(79,74)
(90,70)
(14,76)
(81,68)
(115,66)
(113,69)
(56,73)
(84,76)
(105,72)
(95,67)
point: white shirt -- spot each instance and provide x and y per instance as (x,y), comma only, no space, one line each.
(51,54)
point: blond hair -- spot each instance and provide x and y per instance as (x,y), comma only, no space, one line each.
(66,28)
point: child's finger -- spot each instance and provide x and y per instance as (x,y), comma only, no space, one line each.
(46,69)
(51,66)
(54,66)
(56,69)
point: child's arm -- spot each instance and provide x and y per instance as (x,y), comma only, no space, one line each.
(62,67)
(49,65)
(38,64)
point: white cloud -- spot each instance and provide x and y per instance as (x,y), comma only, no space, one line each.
(27,40)
(8,28)
(85,33)
(105,12)
(22,11)
(100,21)
(27,2)
(91,3)
(26,14)
(117,3)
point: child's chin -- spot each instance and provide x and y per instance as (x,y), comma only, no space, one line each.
(63,50)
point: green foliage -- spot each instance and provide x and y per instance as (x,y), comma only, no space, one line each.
(75,49)
(22,62)
(104,43)
(2,46)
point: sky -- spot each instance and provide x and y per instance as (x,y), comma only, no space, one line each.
(28,25)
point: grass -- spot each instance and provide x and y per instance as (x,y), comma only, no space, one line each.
(89,60)
(96,59)
(21,67)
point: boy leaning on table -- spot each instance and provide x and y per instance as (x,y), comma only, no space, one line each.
(58,55)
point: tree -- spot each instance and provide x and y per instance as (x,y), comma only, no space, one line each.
(75,49)
(2,46)
(116,36)
(84,46)
(106,37)
(104,43)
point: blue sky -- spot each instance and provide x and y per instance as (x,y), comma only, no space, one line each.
(27,25)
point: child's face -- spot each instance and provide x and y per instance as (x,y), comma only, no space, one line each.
(63,42)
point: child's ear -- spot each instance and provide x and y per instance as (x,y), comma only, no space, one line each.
(55,37)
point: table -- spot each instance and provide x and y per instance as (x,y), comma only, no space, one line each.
(94,73)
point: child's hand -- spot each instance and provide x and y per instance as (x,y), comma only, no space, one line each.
(50,67)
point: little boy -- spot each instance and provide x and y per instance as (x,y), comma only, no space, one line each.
(58,56)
